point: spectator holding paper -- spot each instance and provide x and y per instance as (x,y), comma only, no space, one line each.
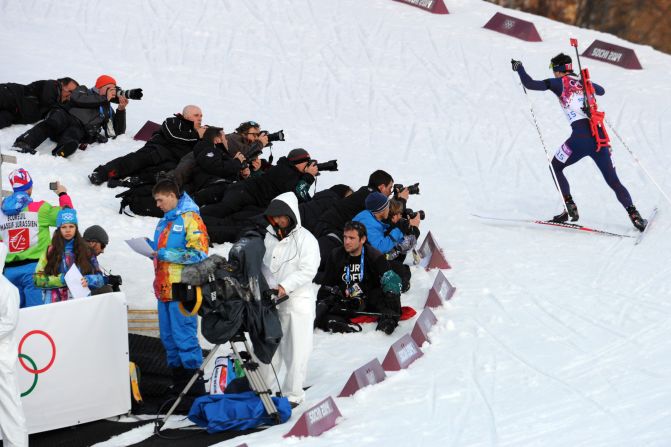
(67,248)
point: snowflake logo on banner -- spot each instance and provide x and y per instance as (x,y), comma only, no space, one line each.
(508,24)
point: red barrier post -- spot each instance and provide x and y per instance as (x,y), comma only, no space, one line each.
(613,54)
(401,354)
(441,291)
(316,420)
(420,332)
(514,27)
(369,374)
(433,6)
(432,255)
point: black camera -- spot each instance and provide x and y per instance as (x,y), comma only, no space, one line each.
(276,136)
(412,189)
(114,281)
(410,214)
(331,165)
(134,93)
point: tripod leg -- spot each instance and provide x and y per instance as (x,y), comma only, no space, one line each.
(257,383)
(200,372)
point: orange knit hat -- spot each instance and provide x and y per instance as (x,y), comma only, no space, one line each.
(103,80)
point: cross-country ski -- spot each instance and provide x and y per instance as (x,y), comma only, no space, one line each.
(561,225)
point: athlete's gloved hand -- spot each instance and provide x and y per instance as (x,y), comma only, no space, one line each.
(516,64)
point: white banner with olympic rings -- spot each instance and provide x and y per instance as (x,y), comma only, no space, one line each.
(73,361)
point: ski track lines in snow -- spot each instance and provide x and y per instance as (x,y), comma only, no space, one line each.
(554,338)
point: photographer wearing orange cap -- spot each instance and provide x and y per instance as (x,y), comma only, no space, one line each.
(90,118)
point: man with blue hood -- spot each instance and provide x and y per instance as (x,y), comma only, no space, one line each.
(180,239)
(24,228)
(289,264)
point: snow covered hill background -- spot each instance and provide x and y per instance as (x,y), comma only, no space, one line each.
(553,338)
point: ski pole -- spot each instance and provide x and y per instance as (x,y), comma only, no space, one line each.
(645,171)
(547,154)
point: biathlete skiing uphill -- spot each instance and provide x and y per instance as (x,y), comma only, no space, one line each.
(588,137)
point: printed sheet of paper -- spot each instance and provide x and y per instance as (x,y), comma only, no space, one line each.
(140,245)
(73,278)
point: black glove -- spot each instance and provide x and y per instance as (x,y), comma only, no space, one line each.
(134,93)
(516,64)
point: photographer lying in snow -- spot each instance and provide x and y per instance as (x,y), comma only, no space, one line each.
(358,279)
(90,118)
(27,104)
(295,173)
(177,137)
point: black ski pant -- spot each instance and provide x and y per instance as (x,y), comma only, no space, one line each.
(211,193)
(236,199)
(229,229)
(388,304)
(150,157)
(59,126)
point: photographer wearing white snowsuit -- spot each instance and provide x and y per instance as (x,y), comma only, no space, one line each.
(289,264)
(12,420)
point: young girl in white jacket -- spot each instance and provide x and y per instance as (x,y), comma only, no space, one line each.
(290,263)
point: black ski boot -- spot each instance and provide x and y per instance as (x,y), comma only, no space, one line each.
(66,149)
(98,176)
(24,147)
(636,218)
(572,211)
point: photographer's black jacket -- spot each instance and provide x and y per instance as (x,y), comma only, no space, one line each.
(94,111)
(374,267)
(342,211)
(30,103)
(283,177)
(311,211)
(213,164)
(177,136)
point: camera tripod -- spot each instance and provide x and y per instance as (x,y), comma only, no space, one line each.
(256,382)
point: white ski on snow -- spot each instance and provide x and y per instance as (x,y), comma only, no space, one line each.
(564,225)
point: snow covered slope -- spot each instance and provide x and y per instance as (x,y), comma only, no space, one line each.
(554,338)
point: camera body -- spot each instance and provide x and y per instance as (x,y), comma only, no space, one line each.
(412,189)
(275,136)
(134,93)
(410,214)
(331,165)
(53,186)
(115,281)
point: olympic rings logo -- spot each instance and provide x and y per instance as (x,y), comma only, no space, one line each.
(33,369)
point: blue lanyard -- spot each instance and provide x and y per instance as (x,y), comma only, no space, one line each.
(361,264)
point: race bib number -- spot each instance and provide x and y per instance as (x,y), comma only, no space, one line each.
(563,153)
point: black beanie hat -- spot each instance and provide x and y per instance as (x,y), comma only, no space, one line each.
(96,233)
(298,155)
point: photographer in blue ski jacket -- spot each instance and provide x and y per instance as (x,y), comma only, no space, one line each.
(571,94)
(387,239)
